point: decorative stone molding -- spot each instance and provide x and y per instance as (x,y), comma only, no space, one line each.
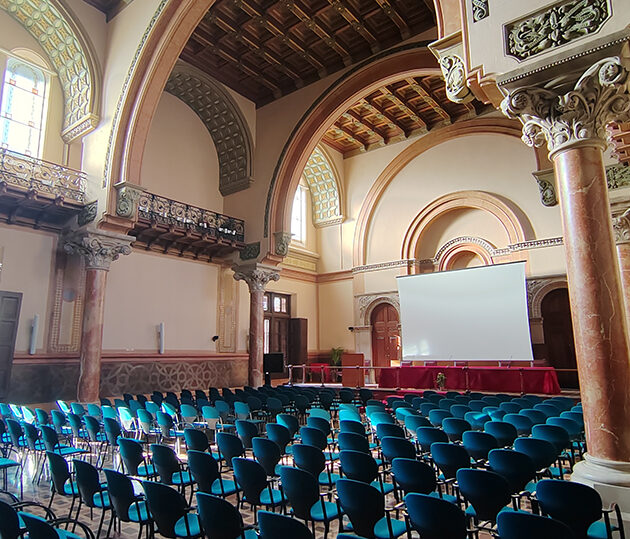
(282,240)
(69,53)
(451,248)
(547,187)
(554,26)
(621,228)
(127,197)
(617,176)
(480,10)
(99,248)
(88,213)
(251,251)
(324,187)
(538,288)
(256,275)
(366,303)
(223,120)
(454,72)
(600,96)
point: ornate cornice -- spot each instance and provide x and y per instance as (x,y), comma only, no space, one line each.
(621,228)
(99,248)
(579,116)
(256,275)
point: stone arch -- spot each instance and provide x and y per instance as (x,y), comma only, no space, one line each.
(71,56)
(374,301)
(223,120)
(323,183)
(464,244)
(462,199)
(501,126)
(539,292)
(406,61)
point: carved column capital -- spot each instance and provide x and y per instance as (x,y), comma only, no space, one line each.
(577,117)
(127,197)
(621,228)
(256,275)
(99,248)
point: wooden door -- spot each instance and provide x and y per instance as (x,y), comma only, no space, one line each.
(558,331)
(10,303)
(385,335)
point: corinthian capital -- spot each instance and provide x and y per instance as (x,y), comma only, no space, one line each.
(98,247)
(601,95)
(256,275)
(621,228)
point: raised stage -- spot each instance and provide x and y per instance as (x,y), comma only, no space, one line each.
(542,380)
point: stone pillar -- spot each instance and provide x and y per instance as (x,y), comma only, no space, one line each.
(621,227)
(256,276)
(99,249)
(573,124)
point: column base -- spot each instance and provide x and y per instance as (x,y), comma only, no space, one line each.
(610,478)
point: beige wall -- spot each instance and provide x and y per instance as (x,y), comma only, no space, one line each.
(180,159)
(144,289)
(336,315)
(27,263)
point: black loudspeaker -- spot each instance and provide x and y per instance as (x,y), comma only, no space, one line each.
(273,363)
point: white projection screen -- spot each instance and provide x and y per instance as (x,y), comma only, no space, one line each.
(469,314)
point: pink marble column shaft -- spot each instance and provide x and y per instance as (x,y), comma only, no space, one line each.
(623,254)
(256,337)
(92,335)
(597,305)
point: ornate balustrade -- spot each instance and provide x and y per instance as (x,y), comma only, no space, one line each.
(42,176)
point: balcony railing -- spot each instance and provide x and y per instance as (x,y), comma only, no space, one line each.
(42,176)
(183,216)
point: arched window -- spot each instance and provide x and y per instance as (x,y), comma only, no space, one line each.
(22,112)
(298,215)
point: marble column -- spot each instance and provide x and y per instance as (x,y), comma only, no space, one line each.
(621,227)
(256,276)
(573,124)
(99,249)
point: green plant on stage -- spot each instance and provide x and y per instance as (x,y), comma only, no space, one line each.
(440,381)
(335,357)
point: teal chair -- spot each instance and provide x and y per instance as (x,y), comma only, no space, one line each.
(274,526)
(221,520)
(126,504)
(170,512)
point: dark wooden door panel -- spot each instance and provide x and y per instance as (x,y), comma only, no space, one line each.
(10,303)
(558,331)
(385,335)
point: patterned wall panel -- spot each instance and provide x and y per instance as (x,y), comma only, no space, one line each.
(322,184)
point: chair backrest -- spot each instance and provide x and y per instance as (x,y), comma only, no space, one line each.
(320,423)
(59,471)
(93,427)
(246,431)
(393,447)
(427,436)
(455,428)
(9,522)
(301,489)
(219,518)
(537,417)
(575,504)
(517,468)
(414,475)
(241,410)
(166,506)
(522,423)
(488,492)
(251,477)
(31,435)
(196,439)
(165,461)
(88,481)
(362,503)
(504,432)
(289,421)
(49,435)
(131,454)
(268,453)
(279,434)
(274,525)
(39,528)
(15,431)
(204,469)
(353,442)
(521,525)
(558,436)
(542,452)
(230,446)
(479,444)
(434,518)
(319,412)
(121,493)
(352,425)
(309,458)
(389,429)
(42,416)
(438,415)
(358,466)
(188,412)
(313,436)
(449,458)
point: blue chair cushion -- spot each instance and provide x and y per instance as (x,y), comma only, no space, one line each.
(324,480)
(182,478)
(101,499)
(317,511)
(387,487)
(146,471)
(8,463)
(194,526)
(597,530)
(216,456)
(71,489)
(381,530)
(138,512)
(229,487)
(274,498)
(67,450)
(470,510)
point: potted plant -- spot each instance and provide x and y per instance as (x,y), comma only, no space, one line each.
(335,361)
(440,381)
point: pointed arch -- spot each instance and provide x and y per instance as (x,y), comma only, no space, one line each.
(223,120)
(323,183)
(70,53)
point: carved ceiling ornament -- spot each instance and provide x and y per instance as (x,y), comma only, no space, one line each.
(454,72)
(256,275)
(480,10)
(324,187)
(600,96)
(99,248)
(52,27)
(554,26)
(223,120)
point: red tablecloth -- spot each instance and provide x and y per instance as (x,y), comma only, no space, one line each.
(316,369)
(497,379)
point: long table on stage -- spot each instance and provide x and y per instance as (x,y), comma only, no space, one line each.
(497,379)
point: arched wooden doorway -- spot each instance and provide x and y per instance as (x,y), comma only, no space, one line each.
(558,331)
(385,335)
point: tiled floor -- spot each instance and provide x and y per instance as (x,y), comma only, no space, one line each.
(61,505)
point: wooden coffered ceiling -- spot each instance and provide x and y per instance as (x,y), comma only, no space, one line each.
(264,49)
(395,112)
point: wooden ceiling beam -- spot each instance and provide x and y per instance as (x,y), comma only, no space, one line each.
(383,114)
(396,17)
(300,11)
(337,126)
(356,24)
(428,98)
(388,92)
(371,129)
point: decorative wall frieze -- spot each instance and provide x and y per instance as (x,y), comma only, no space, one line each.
(407,262)
(99,248)
(480,10)
(256,275)
(282,240)
(463,239)
(600,96)
(53,29)
(223,120)
(554,26)
(366,303)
